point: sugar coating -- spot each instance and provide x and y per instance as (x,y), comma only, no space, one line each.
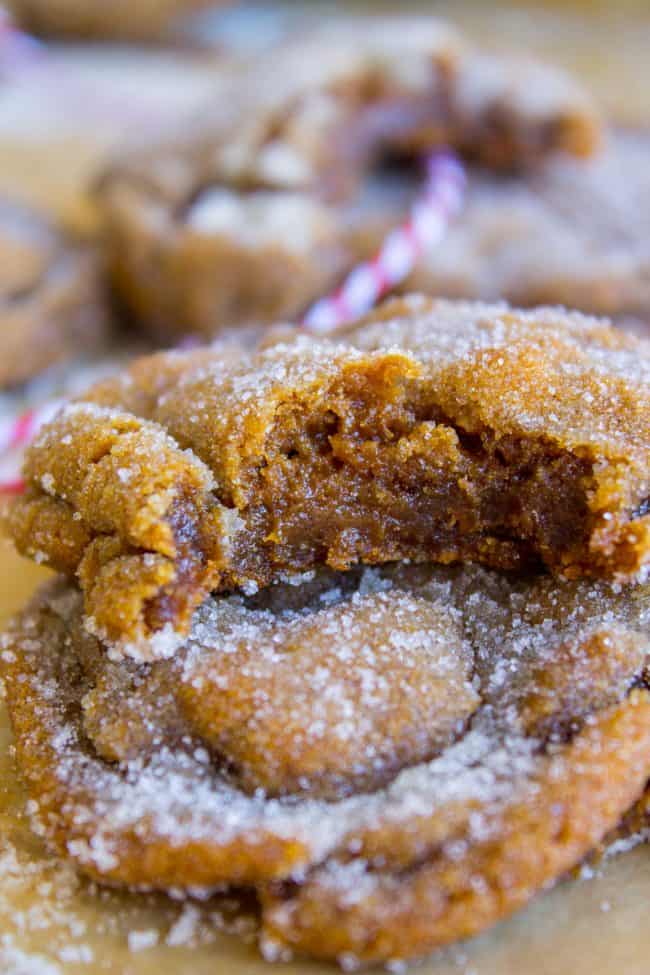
(52,918)
(554,752)
(431,431)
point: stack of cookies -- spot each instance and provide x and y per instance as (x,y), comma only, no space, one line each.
(359,622)
(356,622)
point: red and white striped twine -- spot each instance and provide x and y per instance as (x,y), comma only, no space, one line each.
(440,201)
(15,434)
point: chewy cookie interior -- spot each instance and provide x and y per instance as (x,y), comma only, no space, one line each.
(435,431)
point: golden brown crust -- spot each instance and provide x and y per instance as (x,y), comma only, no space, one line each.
(139,529)
(246,219)
(430,431)
(51,303)
(537,840)
(142,775)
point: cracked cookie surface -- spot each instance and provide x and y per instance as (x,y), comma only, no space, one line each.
(392,758)
(432,430)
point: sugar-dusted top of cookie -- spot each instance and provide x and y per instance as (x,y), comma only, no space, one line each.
(560,374)
(396,744)
(570,378)
(432,430)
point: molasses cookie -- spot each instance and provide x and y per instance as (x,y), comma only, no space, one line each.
(245,220)
(50,297)
(144,20)
(391,758)
(431,431)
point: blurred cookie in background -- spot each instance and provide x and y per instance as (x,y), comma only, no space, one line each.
(97,19)
(74,104)
(245,217)
(571,233)
(51,301)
